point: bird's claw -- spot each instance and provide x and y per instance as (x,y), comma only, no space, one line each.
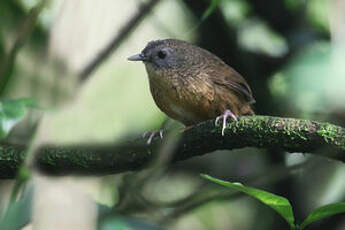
(226,114)
(152,134)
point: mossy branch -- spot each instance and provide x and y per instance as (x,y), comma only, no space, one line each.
(291,135)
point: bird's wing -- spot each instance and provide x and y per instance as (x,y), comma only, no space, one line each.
(232,80)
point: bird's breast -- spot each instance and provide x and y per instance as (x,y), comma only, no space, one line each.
(184,99)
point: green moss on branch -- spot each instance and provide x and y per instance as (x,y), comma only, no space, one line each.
(291,135)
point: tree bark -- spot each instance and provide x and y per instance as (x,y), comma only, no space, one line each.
(288,134)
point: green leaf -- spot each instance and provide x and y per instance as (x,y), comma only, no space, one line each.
(19,213)
(323,212)
(126,223)
(103,210)
(280,204)
(2,49)
(114,224)
(13,111)
(213,5)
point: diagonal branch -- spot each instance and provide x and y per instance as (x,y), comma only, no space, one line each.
(117,40)
(25,30)
(291,135)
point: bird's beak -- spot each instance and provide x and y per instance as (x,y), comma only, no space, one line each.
(137,57)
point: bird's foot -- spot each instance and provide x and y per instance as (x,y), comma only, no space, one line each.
(226,114)
(152,134)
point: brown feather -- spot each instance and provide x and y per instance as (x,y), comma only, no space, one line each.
(194,85)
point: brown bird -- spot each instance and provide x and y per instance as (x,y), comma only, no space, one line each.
(191,84)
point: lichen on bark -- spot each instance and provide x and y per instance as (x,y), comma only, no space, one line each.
(288,134)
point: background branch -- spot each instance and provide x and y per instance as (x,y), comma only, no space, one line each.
(25,30)
(288,134)
(128,28)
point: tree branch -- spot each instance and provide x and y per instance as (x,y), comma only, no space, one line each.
(291,135)
(25,30)
(115,43)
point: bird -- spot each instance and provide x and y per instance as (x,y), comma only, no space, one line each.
(191,85)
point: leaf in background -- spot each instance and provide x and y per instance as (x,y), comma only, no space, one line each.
(323,212)
(278,203)
(103,210)
(19,213)
(2,49)
(13,111)
(318,12)
(293,4)
(213,5)
(126,223)
(309,83)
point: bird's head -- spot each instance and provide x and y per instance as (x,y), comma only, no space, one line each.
(168,54)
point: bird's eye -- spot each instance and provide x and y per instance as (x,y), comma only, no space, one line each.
(161,54)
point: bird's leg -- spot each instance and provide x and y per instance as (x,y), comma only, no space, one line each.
(226,114)
(152,134)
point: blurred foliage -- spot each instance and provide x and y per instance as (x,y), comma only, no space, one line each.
(18,213)
(317,13)
(303,81)
(12,13)
(12,111)
(256,36)
(312,81)
(122,223)
(2,48)
(210,9)
(285,50)
(235,11)
(293,4)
